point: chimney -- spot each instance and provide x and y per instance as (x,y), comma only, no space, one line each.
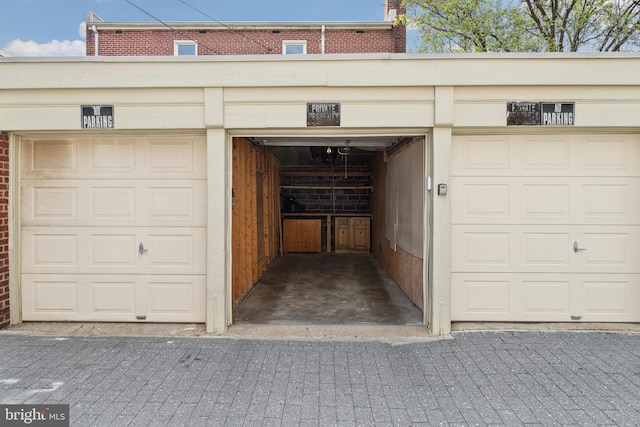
(393,8)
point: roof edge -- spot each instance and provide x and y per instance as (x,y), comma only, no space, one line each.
(331,57)
(240,25)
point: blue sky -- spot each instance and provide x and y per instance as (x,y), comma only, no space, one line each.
(54,27)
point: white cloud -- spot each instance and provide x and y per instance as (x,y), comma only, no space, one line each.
(18,47)
(82,30)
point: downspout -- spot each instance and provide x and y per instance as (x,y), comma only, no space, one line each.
(322,40)
(95,40)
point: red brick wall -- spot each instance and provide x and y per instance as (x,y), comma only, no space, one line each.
(4,230)
(399,32)
(255,42)
(89,48)
(353,42)
(399,37)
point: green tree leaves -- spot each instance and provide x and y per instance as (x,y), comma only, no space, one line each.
(525,25)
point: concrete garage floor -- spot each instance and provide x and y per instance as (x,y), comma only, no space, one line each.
(327,289)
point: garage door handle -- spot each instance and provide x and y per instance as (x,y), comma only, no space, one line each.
(576,248)
(141,249)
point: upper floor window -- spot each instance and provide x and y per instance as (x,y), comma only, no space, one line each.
(293,47)
(185,48)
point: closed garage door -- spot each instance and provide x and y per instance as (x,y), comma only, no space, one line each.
(546,228)
(113,229)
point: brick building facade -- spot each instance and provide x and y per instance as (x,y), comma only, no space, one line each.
(246,38)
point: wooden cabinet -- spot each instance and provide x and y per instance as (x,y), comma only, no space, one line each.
(302,235)
(361,236)
(352,234)
(342,234)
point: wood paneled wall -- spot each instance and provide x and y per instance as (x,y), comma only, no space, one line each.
(255,215)
(405,268)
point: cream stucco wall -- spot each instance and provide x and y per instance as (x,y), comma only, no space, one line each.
(380,94)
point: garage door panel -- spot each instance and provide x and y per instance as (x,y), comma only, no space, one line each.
(512,248)
(615,248)
(116,202)
(177,251)
(545,297)
(176,297)
(532,200)
(168,155)
(50,203)
(506,297)
(113,298)
(50,157)
(174,202)
(478,249)
(484,200)
(537,249)
(112,251)
(113,229)
(546,155)
(479,295)
(610,297)
(545,249)
(111,155)
(52,250)
(502,155)
(48,296)
(111,203)
(606,297)
(84,250)
(543,154)
(550,200)
(611,201)
(53,202)
(488,200)
(607,201)
(550,231)
(609,153)
(114,158)
(483,152)
(79,250)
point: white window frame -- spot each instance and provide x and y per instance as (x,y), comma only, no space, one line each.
(286,43)
(178,43)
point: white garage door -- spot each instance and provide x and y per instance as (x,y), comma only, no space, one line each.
(521,204)
(113,229)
